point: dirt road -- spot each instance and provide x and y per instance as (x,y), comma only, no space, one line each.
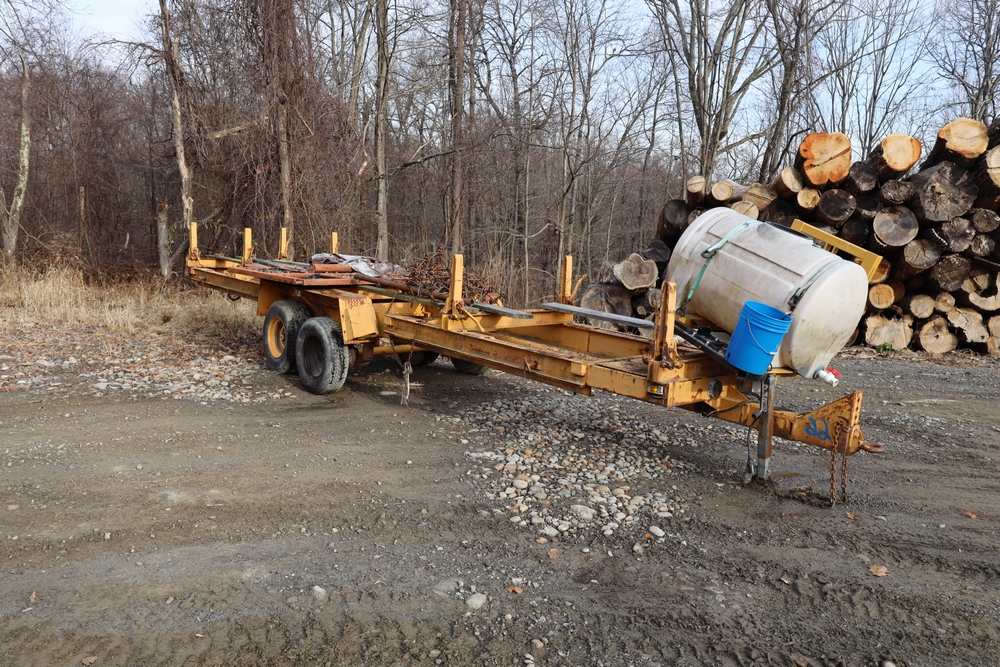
(150,520)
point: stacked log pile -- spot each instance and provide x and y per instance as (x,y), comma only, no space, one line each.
(935,225)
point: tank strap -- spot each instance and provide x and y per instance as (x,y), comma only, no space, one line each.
(708,254)
(793,301)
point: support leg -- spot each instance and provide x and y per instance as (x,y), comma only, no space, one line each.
(765,427)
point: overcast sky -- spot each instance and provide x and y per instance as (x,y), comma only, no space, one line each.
(116,18)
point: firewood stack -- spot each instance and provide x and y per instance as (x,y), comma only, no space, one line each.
(937,229)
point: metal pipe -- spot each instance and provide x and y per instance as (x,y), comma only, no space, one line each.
(409,289)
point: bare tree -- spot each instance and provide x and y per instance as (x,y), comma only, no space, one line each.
(719,53)
(966,50)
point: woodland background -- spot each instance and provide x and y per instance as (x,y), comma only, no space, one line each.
(514,131)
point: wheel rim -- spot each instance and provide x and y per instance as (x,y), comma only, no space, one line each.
(276,337)
(313,356)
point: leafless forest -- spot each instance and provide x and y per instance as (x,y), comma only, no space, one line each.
(511,130)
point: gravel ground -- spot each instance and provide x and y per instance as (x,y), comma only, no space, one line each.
(173,503)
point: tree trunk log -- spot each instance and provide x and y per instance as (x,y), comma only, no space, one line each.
(921,306)
(993,342)
(978,281)
(866,207)
(882,271)
(835,207)
(746,208)
(968,323)
(856,231)
(860,179)
(636,273)
(981,247)
(944,303)
(787,183)
(961,141)
(983,220)
(949,273)
(719,194)
(759,195)
(954,236)
(657,251)
(694,191)
(807,199)
(894,156)
(609,299)
(921,254)
(672,222)
(647,302)
(985,304)
(936,338)
(897,332)
(896,193)
(824,158)
(881,296)
(987,175)
(895,226)
(943,192)
(780,212)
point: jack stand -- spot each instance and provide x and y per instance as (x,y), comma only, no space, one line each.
(765,428)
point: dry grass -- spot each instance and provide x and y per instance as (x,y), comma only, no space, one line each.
(133,307)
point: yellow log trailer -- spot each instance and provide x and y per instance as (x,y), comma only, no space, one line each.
(323,319)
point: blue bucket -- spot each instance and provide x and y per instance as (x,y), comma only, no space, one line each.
(757,337)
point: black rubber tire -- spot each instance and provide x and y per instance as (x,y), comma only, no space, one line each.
(321,356)
(281,327)
(468,367)
(419,358)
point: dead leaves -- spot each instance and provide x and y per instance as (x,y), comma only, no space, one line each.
(554,554)
(878,570)
(853,517)
(970,514)
(514,589)
(87,662)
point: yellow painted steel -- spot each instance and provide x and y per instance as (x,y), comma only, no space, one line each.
(247,246)
(868,260)
(283,245)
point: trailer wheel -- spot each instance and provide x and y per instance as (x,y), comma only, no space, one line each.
(321,356)
(468,367)
(420,358)
(281,328)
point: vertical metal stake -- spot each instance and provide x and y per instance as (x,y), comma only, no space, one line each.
(766,427)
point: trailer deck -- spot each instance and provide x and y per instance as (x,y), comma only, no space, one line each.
(325,318)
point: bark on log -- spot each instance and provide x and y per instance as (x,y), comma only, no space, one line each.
(921,254)
(737,189)
(978,281)
(807,199)
(694,191)
(856,231)
(968,324)
(835,207)
(609,299)
(719,194)
(881,296)
(746,208)
(895,193)
(936,337)
(949,273)
(787,183)
(961,141)
(824,158)
(636,273)
(860,179)
(898,290)
(921,306)
(895,226)
(943,192)
(672,222)
(896,332)
(894,156)
(987,175)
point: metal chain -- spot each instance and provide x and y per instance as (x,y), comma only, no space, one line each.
(843,478)
(833,477)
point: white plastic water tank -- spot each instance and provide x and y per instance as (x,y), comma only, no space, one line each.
(768,263)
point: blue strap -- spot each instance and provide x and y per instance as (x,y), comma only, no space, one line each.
(708,254)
